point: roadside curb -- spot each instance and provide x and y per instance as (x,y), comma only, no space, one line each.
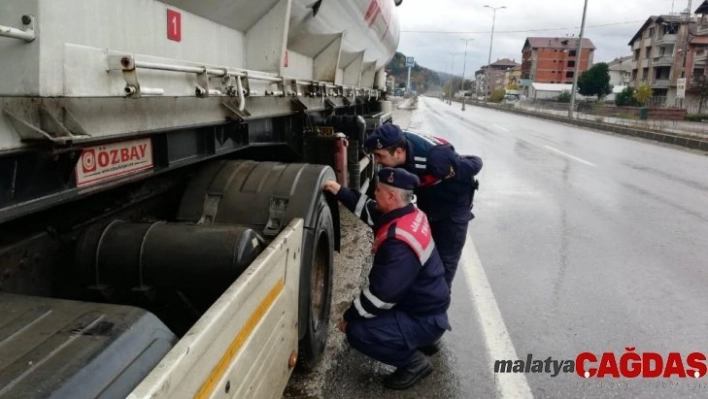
(683,141)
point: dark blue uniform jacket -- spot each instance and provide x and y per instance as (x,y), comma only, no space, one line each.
(397,279)
(449,198)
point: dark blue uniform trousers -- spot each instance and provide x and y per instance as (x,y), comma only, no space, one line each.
(449,237)
(394,336)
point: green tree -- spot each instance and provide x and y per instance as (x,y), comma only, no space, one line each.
(625,98)
(643,94)
(595,81)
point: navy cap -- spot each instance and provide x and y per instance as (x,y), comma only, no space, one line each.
(383,136)
(442,161)
(400,178)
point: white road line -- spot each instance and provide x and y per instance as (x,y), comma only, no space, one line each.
(500,127)
(570,156)
(496,336)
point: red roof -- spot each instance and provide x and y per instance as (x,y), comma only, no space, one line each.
(557,43)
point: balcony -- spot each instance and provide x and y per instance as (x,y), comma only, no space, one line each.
(696,84)
(697,79)
(634,64)
(646,42)
(663,61)
(660,84)
(665,40)
(644,63)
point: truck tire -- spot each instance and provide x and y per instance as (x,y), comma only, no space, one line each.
(266,196)
(316,283)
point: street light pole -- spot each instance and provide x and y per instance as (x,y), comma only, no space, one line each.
(452,72)
(464,66)
(491,42)
(578,59)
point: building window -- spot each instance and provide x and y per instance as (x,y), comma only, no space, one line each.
(571,64)
(572,53)
(569,74)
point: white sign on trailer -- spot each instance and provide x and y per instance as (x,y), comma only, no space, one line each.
(109,161)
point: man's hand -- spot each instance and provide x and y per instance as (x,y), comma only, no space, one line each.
(332,186)
(343,326)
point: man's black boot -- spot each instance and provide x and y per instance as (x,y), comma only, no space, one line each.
(430,350)
(404,377)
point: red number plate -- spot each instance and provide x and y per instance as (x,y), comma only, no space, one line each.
(174,25)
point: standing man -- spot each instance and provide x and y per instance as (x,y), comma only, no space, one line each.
(447,184)
(404,307)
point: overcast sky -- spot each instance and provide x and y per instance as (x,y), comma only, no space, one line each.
(433,50)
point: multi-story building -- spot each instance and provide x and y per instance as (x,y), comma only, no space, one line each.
(620,71)
(658,50)
(553,59)
(491,77)
(697,59)
(512,78)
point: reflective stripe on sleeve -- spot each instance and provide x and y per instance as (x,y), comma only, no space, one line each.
(376,301)
(359,308)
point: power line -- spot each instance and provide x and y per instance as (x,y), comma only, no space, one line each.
(520,31)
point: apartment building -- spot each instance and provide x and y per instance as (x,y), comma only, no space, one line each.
(512,78)
(491,77)
(553,59)
(658,54)
(620,71)
(697,57)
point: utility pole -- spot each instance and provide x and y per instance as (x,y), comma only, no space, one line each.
(578,59)
(685,51)
(491,42)
(688,36)
(464,66)
(408,83)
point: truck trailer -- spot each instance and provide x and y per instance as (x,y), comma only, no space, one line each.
(163,227)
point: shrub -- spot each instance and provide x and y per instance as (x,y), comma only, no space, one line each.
(626,98)
(497,95)
(564,97)
(696,117)
(643,94)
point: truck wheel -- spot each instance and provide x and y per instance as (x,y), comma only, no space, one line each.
(317,268)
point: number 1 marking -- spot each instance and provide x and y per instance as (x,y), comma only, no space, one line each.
(174,25)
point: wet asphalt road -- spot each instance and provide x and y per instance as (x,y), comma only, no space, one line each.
(583,242)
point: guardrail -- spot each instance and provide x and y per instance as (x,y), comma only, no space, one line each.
(690,141)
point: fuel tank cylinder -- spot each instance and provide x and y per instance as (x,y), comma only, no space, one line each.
(142,255)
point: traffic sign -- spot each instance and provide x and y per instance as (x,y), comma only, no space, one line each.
(681,88)
(410,62)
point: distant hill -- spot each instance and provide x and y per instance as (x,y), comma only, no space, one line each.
(422,78)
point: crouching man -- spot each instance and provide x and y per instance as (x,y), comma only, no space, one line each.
(404,306)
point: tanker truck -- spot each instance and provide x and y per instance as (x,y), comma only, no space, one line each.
(163,228)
